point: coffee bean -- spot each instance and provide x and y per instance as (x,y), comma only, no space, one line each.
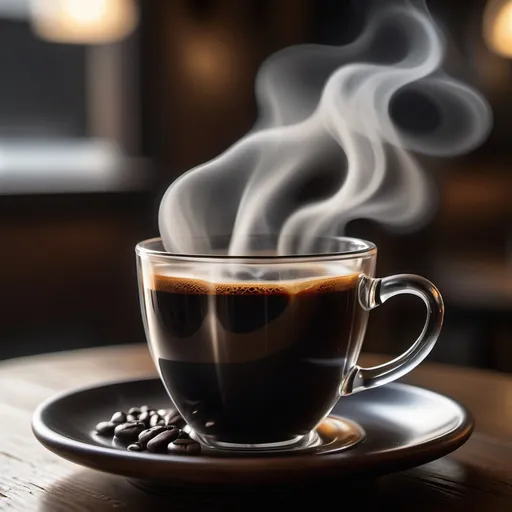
(157,431)
(105,428)
(181,445)
(144,416)
(128,432)
(146,435)
(162,440)
(135,447)
(156,420)
(173,417)
(118,418)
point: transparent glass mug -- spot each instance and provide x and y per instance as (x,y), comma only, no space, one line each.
(255,352)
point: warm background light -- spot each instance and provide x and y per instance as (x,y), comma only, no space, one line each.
(498,27)
(84,21)
(211,61)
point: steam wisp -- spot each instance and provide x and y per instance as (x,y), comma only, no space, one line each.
(327,107)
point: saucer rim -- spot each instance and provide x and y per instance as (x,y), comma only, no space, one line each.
(218,469)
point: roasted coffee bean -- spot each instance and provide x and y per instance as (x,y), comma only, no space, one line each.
(162,412)
(152,412)
(146,435)
(105,428)
(144,408)
(181,445)
(153,420)
(118,418)
(144,416)
(162,440)
(132,417)
(156,420)
(135,411)
(129,432)
(173,417)
(135,447)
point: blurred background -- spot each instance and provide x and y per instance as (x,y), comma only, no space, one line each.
(103,103)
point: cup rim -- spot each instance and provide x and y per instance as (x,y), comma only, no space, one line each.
(364,249)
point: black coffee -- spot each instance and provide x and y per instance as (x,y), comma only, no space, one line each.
(234,355)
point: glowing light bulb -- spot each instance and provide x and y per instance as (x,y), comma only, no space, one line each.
(91,11)
(497,28)
(83,21)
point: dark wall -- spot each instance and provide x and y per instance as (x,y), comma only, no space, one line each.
(67,270)
(43,85)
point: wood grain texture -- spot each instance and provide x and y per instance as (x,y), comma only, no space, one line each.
(477,477)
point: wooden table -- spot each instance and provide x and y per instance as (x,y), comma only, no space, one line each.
(477,477)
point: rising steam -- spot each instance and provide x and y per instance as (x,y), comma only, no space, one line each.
(330,108)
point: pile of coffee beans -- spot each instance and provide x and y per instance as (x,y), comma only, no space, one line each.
(153,430)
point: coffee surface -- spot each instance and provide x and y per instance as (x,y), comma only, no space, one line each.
(170,284)
(233,354)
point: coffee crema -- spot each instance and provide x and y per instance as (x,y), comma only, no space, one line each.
(171,284)
(234,354)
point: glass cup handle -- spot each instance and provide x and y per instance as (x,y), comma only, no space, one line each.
(373,293)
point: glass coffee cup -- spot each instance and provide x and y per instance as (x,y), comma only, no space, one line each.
(256,351)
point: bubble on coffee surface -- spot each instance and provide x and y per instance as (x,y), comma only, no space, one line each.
(241,282)
(232,273)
